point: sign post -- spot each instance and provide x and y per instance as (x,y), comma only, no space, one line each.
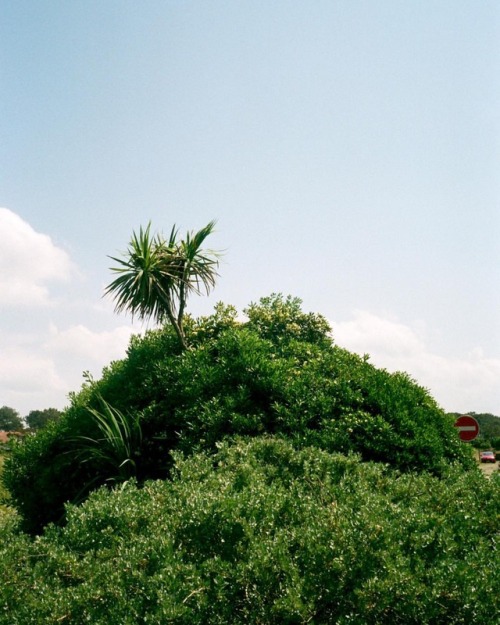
(468,427)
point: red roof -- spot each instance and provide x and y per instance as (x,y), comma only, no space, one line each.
(4,436)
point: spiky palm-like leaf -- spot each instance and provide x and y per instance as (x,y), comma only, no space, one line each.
(156,275)
(116,446)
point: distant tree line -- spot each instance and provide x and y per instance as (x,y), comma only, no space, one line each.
(11,420)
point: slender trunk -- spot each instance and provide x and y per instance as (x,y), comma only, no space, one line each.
(178,327)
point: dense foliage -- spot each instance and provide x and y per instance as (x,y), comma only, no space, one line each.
(278,373)
(489,425)
(263,533)
(6,512)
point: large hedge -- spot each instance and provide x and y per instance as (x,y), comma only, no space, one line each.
(277,373)
(263,533)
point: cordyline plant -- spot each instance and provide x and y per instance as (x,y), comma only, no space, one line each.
(115,447)
(156,275)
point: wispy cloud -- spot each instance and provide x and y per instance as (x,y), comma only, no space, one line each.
(40,371)
(29,262)
(29,380)
(23,371)
(468,382)
(42,360)
(94,347)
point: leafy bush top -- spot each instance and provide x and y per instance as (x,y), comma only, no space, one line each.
(278,373)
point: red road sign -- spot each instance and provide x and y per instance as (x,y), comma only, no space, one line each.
(468,427)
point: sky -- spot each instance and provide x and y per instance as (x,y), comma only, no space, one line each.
(348,149)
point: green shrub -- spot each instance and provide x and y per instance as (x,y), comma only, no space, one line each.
(263,533)
(278,373)
(7,513)
(3,492)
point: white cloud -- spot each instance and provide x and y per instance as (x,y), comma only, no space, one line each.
(29,380)
(39,371)
(29,261)
(459,384)
(98,347)
(382,336)
(27,372)
(41,359)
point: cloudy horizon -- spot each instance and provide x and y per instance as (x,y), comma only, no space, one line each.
(44,361)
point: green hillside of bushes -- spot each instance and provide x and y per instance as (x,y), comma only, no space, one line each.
(262,475)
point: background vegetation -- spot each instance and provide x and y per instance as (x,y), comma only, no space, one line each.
(10,419)
(489,430)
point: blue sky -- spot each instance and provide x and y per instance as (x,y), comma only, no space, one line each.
(349,151)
